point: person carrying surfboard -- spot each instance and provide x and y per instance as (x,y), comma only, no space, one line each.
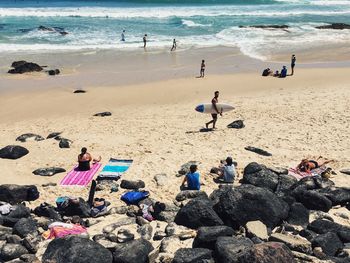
(214,101)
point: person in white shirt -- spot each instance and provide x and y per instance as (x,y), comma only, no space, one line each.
(228,171)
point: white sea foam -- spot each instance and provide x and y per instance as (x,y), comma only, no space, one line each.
(190,23)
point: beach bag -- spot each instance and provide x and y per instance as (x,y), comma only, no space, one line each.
(133,197)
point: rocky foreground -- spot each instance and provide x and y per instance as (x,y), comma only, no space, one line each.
(271,217)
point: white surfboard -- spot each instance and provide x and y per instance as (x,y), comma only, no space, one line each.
(209,108)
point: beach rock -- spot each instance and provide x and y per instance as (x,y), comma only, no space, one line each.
(48,211)
(133,211)
(249,203)
(267,26)
(257,150)
(192,255)
(29,258)
(14,194)
(31,242)
(73,249)
(48,171)
(298,215)
(12,251)
(135,251)
(181,231)
(308,234)
(161,179)
(19,211)
(329,242)
(313,200)
(338,26)
(207,236)
(103,114)
(24,227)
(78,208)
(19,63)
(233,249)
(128,184)
(53,135)
(190,194)
(279,170)
(259,175)
(121,222)
(345,171)
(256,229)
(338,195)
(79,91)
(196,213)
(25,68)
(13,152)
(53,72)
(170,245)
(124,235)
(185,168)
(238,124)
(13,239)
(293,242)
(65,143)
(29,137)
(323,226)
(146,231)
(271,252)
(285,183)
(216,194)
(4,232)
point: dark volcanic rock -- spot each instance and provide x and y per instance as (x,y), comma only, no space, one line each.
(29,136)
(329,242)
(207,236)
(285,183)
(267,26)
(192,255)
(48,171)
(345,171)
(12,251)
(185,168)
(259,175)
(298,215)
(53,72)
(249,203)
(196,213)
(79,91)
(53,135)
(14,194)
(271,252)
(79,208)
(103,114)
(190,194)
(72,249)
(4,232)
(20,211)
(258,151)
(24,227)
(338,26)
(322,226)
(233,249)
(313,200)
(128,184)
(238,124)
(135,251)
(26,67)
(65,143)
(13,152)
(338,195)
(48,211)
(19,63)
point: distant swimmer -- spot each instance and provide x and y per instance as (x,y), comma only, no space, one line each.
(202,69)
(123,36)
(174,45)
(214,101)
(293,60)
(144,41)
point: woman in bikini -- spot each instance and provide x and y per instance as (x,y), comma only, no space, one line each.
(308,165)
(84,159)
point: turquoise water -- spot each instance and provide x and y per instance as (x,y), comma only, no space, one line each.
(98,24)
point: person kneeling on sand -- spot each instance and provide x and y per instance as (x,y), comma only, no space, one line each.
(192,179)
(228,172)
(84,159)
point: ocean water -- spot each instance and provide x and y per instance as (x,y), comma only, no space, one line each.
(193,23)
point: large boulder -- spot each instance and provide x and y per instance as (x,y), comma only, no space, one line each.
(128,184)
(25,67)
(338,195)
(312,200)
(13,152)
(192,255)
(77,208)
(48,171)
(256,229)
(196,213)
(285,183)
(322,226)
(295,243)
(207,235)
(190,194)
(329,242)
(14,194)
(233,249)
(271,252)
(29,137)
(25,226)
(12,251)
(298,215)
(185,168)
(19,211)
(135,251)
(248,203)
(73,249)
(259,175)
(338,26)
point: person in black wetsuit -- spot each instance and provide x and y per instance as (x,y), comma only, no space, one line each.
(84,159)
(292,64)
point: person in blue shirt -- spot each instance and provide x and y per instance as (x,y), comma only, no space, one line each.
(192,179)
(283,72)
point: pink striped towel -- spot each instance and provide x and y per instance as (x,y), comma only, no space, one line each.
(80,178)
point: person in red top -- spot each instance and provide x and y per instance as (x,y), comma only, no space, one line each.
(214,101)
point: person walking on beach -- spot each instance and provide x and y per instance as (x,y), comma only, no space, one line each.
(144,41)
(202,69)
(214,101)
(123,36)
(174,45)
(293,60)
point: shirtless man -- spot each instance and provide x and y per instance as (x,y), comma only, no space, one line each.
(214,101)
(202,69)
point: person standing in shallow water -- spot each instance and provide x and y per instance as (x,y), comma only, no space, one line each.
(293,60)
(123,36)
(174,45)
(144,41)
(214,101)
(202,69)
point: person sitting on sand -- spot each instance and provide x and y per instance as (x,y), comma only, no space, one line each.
(307,165)
(192,179)
(84,159)
(277,74)
(228,172)
(283,72)
(267,72)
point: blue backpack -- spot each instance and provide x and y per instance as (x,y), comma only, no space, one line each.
(133,197)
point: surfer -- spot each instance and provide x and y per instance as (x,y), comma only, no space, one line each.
(202,69)
(174,45)
(214,101)
(123,36)
(144,41)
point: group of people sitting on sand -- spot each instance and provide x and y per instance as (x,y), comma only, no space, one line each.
(283,73)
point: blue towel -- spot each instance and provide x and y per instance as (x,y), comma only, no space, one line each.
(114,169)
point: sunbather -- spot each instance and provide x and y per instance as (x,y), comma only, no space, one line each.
(307,165)
(84,159)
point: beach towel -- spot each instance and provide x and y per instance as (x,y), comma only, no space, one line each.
(114,169)
(80,178)
(314,172)
(59,229)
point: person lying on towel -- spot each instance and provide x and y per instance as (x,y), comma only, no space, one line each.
(307,165)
